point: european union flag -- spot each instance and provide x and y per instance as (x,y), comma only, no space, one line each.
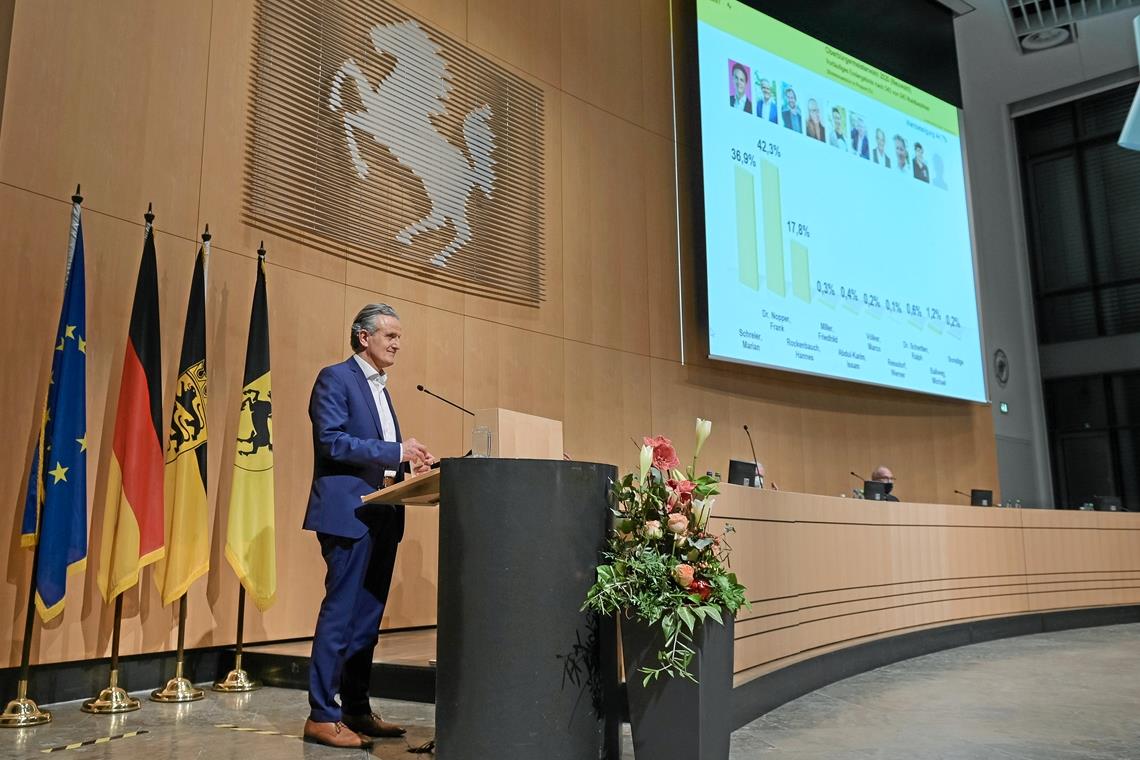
(55,511)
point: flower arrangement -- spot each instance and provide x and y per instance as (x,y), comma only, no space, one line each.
(661,565)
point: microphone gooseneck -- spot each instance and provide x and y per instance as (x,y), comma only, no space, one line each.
(441,398)
(751,445)
(961,493)
(856,475)
(755,461)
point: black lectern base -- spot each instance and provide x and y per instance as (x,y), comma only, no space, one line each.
(521,672)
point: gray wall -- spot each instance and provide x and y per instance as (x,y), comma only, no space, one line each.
(994,78)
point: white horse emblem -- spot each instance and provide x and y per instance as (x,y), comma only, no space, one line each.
(397,113)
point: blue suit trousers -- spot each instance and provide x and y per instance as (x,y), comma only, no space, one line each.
(358,574)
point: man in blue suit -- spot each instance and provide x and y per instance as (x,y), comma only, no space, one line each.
(357,449)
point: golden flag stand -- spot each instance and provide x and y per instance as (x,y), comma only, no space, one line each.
(179,688)
(237,679)
(22,712)
(113,699)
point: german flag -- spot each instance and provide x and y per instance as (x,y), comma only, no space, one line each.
(187,516)
(250,539)
(133,518)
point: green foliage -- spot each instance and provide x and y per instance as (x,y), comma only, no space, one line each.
(647,559)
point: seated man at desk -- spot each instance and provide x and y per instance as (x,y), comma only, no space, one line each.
(883,474)
(760,472)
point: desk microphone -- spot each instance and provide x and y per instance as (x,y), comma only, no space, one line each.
(441,398)
(759,477)
(857,476)
(962,493)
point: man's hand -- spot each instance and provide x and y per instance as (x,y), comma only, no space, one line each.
(416,453)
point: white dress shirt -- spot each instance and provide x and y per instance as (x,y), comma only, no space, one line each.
(376,382)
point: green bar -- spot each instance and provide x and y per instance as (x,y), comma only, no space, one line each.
(801,274)
(746,228)
(773,227)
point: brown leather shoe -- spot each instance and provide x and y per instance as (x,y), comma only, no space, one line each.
(373,725)
(335,735)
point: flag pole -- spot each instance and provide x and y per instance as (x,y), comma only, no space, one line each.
(113,699)
(237,679)
(22,712)
(179,688)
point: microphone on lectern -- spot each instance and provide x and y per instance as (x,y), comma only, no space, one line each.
(441,398)
(750,445)
(962,493)
(856,475)
(755,461)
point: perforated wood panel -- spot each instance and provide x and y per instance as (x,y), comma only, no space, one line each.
(376,136)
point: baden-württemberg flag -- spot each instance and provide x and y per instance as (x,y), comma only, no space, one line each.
(187,517)
(250,543)
(132,519)
(55,512)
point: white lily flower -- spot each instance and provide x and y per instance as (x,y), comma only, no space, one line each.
(701,511)
(704,428)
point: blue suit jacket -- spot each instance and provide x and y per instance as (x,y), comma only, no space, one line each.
(350,455)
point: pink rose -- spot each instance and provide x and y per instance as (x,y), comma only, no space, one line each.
(664,455)
(683,575)
(678,523)
(652,529)
(680,493)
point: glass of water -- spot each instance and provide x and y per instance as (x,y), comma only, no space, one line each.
(481,441)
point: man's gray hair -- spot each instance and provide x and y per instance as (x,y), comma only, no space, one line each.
(366,321)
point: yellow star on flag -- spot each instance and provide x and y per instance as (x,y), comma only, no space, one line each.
(82,442)
(59,473)
(69,331)
(60,346)
(82,345)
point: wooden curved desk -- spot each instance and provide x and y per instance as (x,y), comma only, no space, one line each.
(825,573)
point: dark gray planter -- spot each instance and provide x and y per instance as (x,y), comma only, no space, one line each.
(674,718)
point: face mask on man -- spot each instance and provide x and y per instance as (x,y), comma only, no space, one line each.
(888,487)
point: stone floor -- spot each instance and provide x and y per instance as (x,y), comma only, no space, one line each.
(1068,695)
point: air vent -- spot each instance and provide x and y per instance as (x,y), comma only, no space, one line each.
(1045,24)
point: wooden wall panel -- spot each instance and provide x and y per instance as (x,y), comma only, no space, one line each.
(657,80)
(601,56)
(604,261)
(110,97)
(511,368)
(524,34)
(607,405)
(160,114)
(223,163)
(664,313)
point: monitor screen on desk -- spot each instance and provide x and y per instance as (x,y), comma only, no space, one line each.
(744,474)
(874,490)
(981,498)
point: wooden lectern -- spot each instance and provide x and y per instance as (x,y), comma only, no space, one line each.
(521,671)
(515,435)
